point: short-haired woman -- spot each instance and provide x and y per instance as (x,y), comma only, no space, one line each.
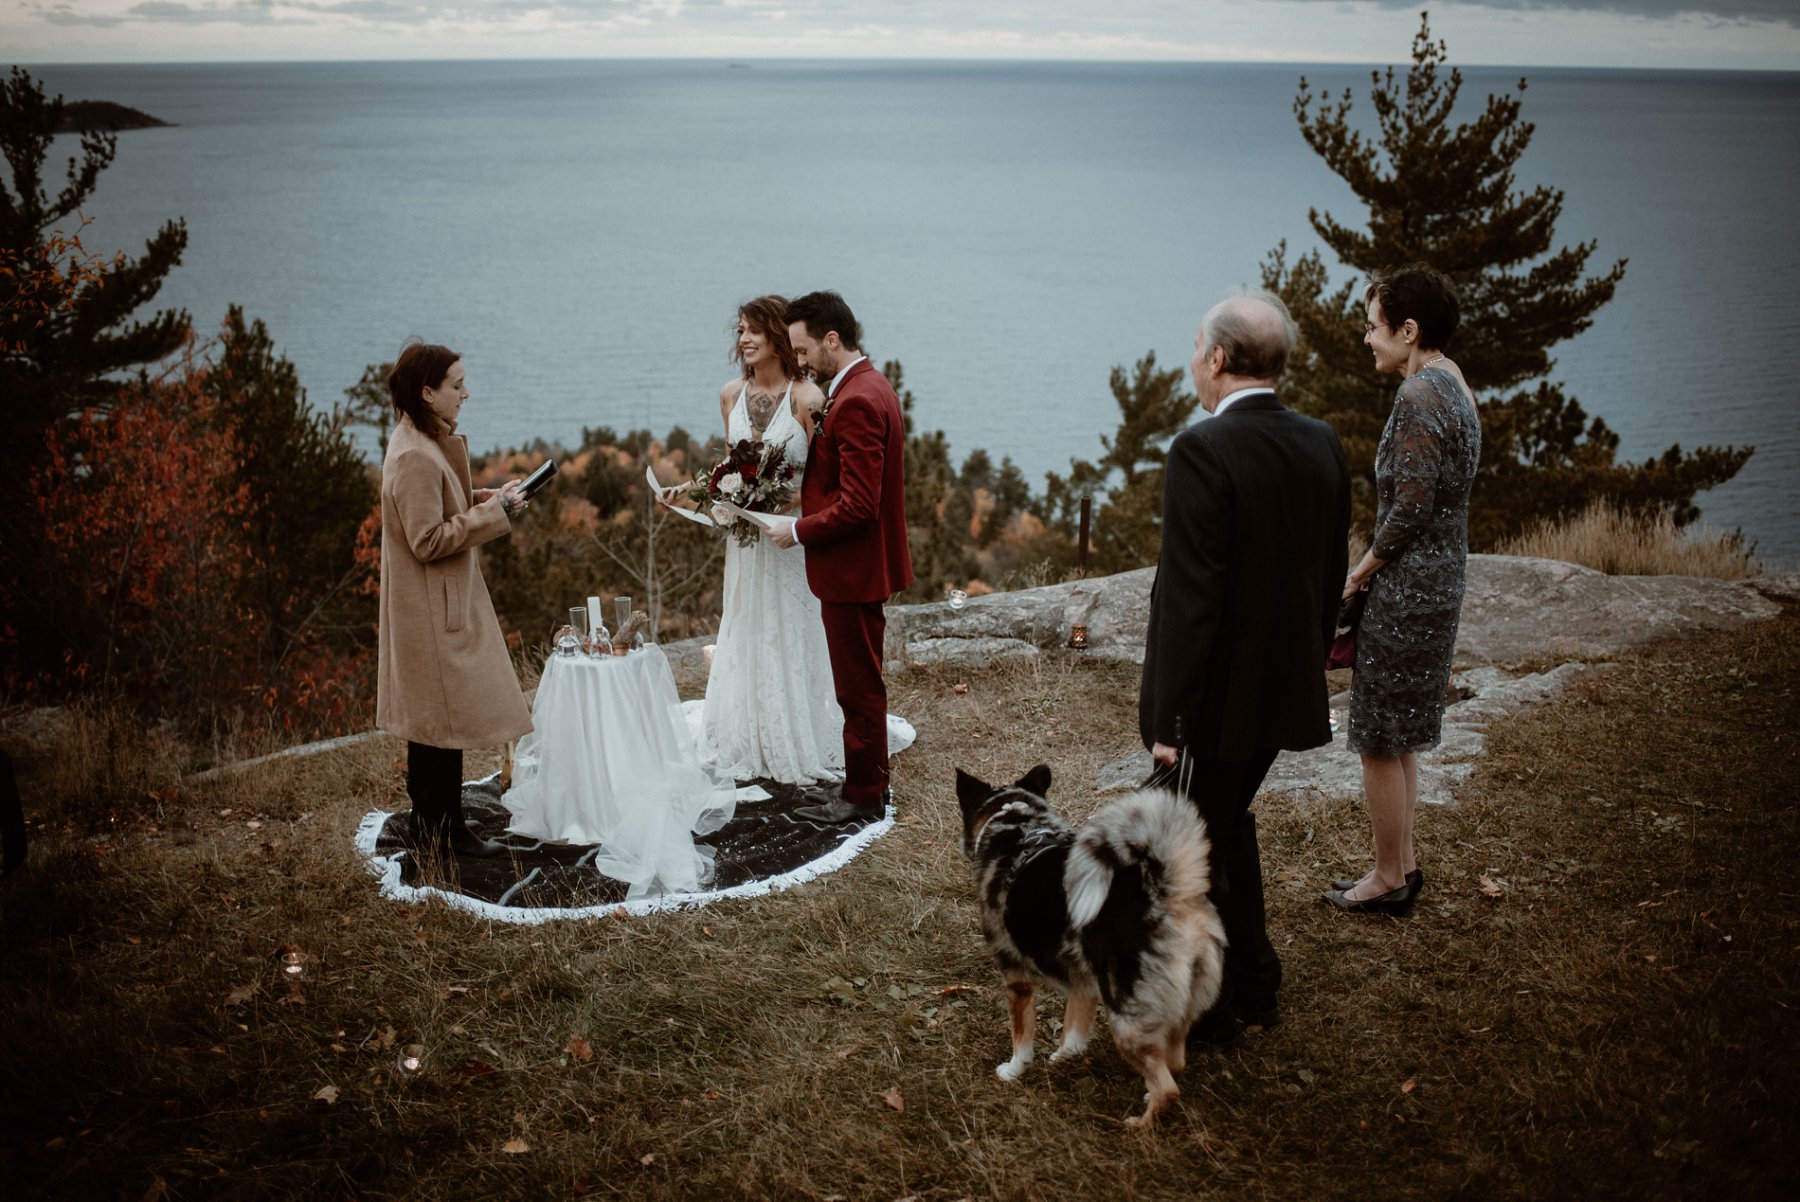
(446,682)
(1414,571)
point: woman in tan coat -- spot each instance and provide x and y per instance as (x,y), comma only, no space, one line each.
(446,682)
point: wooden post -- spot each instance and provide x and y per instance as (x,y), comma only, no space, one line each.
(1081,546)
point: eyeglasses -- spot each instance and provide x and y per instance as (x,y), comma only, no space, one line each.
(1369,327)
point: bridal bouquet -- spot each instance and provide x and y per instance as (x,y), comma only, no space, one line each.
(753,476)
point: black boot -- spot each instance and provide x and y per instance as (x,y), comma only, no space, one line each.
(464,841)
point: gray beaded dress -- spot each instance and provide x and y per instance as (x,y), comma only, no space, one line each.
(1424,466)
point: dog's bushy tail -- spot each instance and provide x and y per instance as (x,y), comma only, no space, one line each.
(1152,829)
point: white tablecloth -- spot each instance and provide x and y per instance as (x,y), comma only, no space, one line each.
(611,762)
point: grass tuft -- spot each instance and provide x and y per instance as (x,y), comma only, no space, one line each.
(1621,543)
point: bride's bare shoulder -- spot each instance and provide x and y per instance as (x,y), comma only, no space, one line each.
(807,396)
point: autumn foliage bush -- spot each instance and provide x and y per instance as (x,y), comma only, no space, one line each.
(151,584)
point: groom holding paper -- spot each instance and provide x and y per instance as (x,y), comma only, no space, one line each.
(853,528)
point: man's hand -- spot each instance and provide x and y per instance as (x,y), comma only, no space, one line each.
(1162,753)
(781,534)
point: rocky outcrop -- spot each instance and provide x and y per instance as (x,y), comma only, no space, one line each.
(1534,609)
(1515,611)
(1025,624)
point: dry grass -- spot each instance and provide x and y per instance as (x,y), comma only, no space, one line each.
(1618,1024)
(1609,540)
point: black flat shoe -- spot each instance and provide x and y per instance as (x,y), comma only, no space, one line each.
(1415,880)
(1395,902)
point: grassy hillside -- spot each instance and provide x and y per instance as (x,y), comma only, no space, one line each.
(1595,996)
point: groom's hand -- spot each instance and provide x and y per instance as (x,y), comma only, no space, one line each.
(781,534)
(1162,753)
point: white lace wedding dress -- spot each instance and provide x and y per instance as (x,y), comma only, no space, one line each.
(771,710)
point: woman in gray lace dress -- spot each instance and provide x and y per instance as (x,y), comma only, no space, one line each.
(1413,572)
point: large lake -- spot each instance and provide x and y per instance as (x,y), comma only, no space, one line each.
(582,231)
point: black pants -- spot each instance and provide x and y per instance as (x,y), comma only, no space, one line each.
(434,782)
(1222,791)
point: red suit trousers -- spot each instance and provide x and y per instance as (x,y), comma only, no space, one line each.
(853,637)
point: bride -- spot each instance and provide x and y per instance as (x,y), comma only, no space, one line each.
(771,710)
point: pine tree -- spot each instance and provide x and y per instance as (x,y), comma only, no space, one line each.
(57,356)
(1445,194)
(1126,528)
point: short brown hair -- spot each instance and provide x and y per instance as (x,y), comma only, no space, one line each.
(767,315)
(822,312)
(421,365)
(1421,293)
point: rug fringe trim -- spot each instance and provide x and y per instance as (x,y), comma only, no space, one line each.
(387,870)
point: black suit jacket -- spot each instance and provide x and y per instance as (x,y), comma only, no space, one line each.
(1256,518)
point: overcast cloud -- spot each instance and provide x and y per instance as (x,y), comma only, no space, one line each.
(1681,33)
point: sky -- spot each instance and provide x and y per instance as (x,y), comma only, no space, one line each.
(1730,34)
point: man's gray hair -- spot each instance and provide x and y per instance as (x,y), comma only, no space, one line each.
(1256,332)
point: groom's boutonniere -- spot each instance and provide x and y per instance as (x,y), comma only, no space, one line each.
(823,410)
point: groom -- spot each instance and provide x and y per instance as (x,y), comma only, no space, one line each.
(854,531)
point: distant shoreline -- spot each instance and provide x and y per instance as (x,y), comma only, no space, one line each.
(88,116)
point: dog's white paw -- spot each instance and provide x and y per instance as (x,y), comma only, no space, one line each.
(1012,1070)
(1072,1046)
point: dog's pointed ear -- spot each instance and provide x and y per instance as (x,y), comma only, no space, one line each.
(1037,781)
(971,792)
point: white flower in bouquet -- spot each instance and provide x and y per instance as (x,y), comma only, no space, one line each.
(731,484)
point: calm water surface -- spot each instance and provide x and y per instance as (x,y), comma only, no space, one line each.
(582,231)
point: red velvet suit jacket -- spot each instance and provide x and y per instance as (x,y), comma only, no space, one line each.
(853,495)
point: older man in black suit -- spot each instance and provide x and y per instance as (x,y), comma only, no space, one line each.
(1256,519)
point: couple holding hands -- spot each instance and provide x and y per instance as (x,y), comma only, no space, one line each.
(795,693)
(803,605)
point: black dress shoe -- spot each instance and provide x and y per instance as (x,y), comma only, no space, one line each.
(1395,902)
(824,795)
(1264,1015)
(1415,880)
(837,811)
(1216,1029)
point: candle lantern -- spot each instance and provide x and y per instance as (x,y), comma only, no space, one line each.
(1078,636)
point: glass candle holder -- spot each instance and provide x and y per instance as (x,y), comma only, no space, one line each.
(1078,636)
(568,641)
(957,598)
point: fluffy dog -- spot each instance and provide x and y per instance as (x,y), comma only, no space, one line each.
(1114,911)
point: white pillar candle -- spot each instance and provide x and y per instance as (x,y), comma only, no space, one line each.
(593,616)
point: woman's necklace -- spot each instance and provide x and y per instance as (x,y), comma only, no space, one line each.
(1429,362)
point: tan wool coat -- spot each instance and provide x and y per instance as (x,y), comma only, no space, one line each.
(445,677)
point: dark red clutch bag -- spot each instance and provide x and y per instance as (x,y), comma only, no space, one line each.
(1343,646)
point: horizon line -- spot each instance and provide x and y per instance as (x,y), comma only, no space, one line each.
(738,60)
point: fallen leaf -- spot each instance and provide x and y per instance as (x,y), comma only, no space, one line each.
(387,1037)
(159,1189)
(134,939)
(959,689)
(515,1146)
(647,1159)
(954,990)
(1491,888)
(471,1070)
(242,994)
(327,1094)
(846,1053)
(580,1048)
(894,1099)
(1411,1084)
